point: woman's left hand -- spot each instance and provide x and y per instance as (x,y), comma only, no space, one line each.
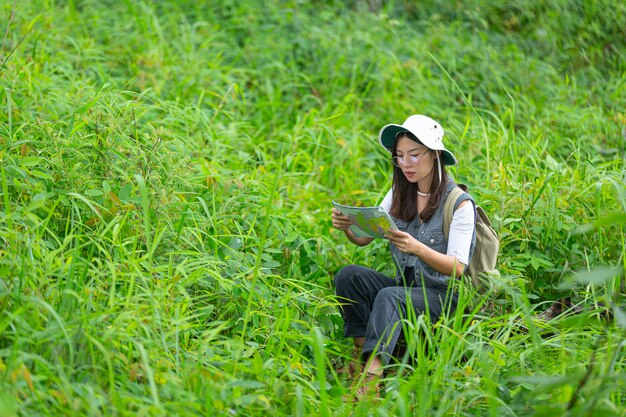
(403,241)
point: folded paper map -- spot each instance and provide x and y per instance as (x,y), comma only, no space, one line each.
(367,221)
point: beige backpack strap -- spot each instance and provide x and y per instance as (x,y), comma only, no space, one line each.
(448,209)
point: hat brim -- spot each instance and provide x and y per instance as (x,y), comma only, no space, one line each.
(387,137)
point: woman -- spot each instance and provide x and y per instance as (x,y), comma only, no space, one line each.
(373,304)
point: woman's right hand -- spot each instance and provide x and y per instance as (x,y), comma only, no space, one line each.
(340,221)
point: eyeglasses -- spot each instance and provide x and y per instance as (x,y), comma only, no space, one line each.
(411,160)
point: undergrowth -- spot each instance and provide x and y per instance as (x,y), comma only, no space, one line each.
(167,170)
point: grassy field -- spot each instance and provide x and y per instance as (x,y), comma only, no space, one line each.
(167,169)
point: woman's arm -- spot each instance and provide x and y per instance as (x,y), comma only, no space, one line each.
(440,262)
(342,222)
(446,264)
(360,241)
(452,264)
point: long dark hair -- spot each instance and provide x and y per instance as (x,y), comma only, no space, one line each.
(404,202)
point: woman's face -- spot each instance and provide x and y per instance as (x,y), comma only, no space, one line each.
(414,159)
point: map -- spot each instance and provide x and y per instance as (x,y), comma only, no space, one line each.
(367,221)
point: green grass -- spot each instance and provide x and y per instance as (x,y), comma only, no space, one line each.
(167,170)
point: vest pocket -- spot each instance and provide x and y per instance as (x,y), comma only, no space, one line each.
(434,239)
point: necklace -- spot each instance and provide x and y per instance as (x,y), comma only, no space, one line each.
(421,194)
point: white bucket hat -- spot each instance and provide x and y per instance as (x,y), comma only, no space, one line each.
(428,131)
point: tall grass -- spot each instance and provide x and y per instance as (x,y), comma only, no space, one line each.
(166,177)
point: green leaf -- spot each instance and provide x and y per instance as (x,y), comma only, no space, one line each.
(41,174)
(245,383)
(93,193)
(30,161)
(547,381)
(257,361)
(271,264)
(39,197)
(124,193)
(235,243)
(594,276)
(37,201)
(291,237)
(597,276)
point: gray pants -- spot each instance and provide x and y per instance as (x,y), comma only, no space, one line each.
(372,306)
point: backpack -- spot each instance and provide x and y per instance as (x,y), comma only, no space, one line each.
(483,260)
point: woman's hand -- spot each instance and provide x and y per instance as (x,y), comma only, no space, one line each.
(440,262)
(340,221)
(403,241)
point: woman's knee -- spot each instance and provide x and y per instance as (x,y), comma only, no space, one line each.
(346,276)
(391,296)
